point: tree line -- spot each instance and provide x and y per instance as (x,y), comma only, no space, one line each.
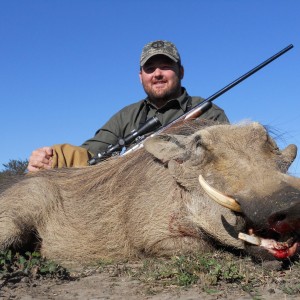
(13,167)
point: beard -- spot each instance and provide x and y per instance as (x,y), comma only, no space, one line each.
(163,94)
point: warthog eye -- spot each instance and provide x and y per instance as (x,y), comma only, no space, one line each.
(198,144)
(197,141)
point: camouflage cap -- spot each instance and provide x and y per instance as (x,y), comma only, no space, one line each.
(159,47)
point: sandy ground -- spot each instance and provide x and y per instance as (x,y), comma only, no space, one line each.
(105,286)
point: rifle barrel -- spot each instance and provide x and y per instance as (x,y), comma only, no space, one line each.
(235,82)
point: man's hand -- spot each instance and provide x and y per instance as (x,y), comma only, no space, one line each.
(40,159)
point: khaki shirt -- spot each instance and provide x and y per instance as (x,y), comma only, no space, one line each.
(129,118)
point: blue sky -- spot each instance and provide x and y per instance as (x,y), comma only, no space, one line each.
(67,66)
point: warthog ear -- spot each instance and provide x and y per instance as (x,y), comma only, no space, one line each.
(166,147)
(289,154)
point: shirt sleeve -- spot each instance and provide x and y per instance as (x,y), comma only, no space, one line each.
(215,113)
(105,136)
(118,126)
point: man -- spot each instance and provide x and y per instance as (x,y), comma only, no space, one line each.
(160,74)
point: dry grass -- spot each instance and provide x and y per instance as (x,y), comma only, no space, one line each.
(216,274)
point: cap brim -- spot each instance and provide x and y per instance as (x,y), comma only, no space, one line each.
(157,53)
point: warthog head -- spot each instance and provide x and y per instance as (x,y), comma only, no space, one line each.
(241,168)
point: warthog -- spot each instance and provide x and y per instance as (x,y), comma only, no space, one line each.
(163,199)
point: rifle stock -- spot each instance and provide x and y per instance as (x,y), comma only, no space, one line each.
(194,113)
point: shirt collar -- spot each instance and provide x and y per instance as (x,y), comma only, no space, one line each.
(183,99)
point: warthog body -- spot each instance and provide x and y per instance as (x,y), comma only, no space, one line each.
(151,202)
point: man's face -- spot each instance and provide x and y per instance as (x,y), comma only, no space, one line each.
(161,78)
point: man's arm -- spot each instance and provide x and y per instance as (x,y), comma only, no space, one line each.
(118,126)
(216,113)
(65,155)
(105,136)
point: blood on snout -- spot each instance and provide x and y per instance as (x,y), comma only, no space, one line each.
(285,253)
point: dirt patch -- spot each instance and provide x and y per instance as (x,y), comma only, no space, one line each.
(208,278)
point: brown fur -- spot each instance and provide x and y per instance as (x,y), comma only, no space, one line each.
(145,203)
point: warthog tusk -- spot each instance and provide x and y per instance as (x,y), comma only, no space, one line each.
(219,197)
(251,239)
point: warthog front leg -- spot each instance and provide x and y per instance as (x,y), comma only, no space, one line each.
(10,234)
(180,236)
(179,245)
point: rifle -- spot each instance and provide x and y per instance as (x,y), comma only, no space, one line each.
(154,125)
